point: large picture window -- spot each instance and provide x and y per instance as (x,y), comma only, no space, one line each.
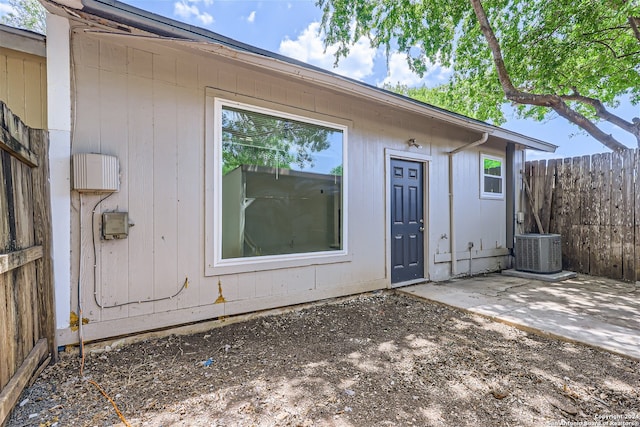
(491,177)
(280,184)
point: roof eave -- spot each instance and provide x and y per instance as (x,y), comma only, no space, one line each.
(23,40)
(165,27)
(526,141)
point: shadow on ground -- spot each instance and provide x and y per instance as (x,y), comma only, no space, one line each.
(378,359)
(597,311)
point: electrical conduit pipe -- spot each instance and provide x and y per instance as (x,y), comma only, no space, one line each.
(452,228)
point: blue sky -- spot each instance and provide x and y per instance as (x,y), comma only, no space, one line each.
(290,27)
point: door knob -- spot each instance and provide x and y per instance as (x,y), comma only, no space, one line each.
(421,228)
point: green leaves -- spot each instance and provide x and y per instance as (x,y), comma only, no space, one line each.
(253,138)
(28,15)
(549,47)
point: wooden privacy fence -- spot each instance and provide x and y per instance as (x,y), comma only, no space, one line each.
(593,202)
(27,328)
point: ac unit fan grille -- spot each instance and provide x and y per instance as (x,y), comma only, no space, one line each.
(539,253)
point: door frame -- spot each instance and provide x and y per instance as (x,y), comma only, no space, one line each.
(412,157)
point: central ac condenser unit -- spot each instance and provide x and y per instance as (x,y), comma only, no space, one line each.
(539,253)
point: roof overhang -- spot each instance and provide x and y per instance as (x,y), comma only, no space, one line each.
(166,30)
(23,40)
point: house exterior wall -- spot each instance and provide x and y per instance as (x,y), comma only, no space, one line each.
(144,102)
(23,84)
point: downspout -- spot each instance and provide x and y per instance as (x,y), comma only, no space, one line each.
(510,189)
(452,228)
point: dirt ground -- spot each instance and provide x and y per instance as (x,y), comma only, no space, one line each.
(379,359)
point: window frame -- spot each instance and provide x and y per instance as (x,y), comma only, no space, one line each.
(488,195)
(214,263)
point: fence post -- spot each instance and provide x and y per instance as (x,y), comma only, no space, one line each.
(43,233)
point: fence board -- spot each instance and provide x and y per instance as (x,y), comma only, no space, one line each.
(4,208)
(595,256)
(594,214)
(628,202)
(557,213)
(576,217)
(42,237)
(567,244)
(616,216)
(529,223)
(636,234)
(17,259)
(8,242)
(636,224)
(23,294)
(9,313)
(537,182)
(546,197)
(594,204)
(5,330)
(605,216)
(26,291)
(585,196)
(9,395)
(14,147)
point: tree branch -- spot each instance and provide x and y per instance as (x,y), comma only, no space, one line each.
(606,30)
(547,100)
(613,52)
(602,112)
(633,21)
(494,45)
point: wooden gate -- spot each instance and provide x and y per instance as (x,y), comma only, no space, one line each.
(27,328)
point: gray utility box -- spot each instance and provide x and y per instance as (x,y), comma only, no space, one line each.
(539,253)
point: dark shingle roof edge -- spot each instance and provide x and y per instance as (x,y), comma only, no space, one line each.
(153,23)
(22,32)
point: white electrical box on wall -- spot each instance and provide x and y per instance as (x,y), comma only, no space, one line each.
(95,173)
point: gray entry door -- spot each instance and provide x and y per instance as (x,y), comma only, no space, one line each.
(407,221)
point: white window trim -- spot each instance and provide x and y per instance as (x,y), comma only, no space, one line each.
(483,194)
(214,264)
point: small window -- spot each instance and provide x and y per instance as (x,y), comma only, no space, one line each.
(491,177)
(280,182)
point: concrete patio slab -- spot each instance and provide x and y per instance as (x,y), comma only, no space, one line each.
(596,311)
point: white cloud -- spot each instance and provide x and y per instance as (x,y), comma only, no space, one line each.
(252,16)
(183,10)
(359,64)
(400,73)
(187,9)
(205,18)
(6,8)
(309,48)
